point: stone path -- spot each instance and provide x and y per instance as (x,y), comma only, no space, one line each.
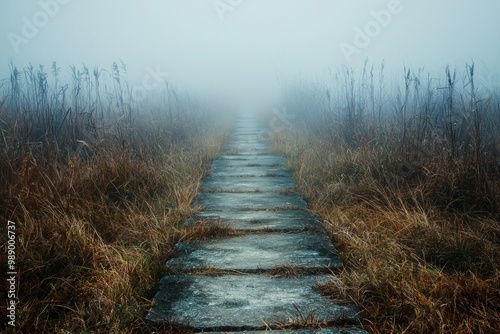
(264,277)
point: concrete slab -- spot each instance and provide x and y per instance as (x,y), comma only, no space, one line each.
(256,252)
(247,184)
(250,171)
(247,137)
(247,146)
(246,133)
(272,156)
(265,160)
(246,127)
(249,201)
(243,153)
(258,220)
(245,163)
(246,302)
(346,330)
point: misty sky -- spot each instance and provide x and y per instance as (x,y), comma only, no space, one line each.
(236,47)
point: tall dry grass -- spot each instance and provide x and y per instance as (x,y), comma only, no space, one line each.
(406,182)
(98,187)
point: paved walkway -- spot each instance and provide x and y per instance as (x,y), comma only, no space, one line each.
(266,276)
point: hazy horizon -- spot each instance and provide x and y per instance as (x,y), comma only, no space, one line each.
(237,48)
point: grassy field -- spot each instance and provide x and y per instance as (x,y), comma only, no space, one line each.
(406,178)
(97,186)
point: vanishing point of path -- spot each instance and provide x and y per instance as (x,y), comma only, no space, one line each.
(243,282)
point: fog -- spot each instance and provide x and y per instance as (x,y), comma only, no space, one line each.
(236,49)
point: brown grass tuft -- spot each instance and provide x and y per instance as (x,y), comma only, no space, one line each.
(208,229)
(286,271)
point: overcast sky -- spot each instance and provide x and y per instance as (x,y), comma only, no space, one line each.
(238,46)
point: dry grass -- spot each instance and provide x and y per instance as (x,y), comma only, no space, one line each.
(300,321)
(413,273)
(93,243)
(409,266)
(309,322)
(286,270)
(416,223)
(209,229)
(98,204)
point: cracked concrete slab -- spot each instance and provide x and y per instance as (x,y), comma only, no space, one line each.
(250,146)
(267,156)
(238,160)
(247,184)
(249,253)
(259,220)
(249,201)
(250,171)
(246,302)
